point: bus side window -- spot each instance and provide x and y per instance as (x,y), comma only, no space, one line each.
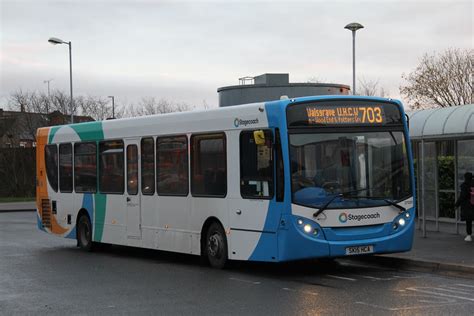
(65,168)
(132,170)
(208,165)
(51,160)
(172,165)
(85,167)
(111,167)
(148,165)
(256,165)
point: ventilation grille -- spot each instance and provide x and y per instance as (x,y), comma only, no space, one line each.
(46,213)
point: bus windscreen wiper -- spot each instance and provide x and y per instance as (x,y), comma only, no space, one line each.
(401,208)
(325,206)
(390,202)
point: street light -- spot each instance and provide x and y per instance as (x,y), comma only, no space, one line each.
(55,41)
(353,27)
(113,106)
(48,81)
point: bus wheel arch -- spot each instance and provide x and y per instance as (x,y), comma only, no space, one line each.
(84,230)
(214,246)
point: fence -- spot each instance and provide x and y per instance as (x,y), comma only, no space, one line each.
(17,172)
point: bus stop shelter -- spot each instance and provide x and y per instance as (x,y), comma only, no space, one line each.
(443,147)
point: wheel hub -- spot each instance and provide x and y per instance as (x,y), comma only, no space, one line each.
(214,245)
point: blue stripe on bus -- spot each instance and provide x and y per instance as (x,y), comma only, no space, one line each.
(290,244)
(267,246)
(72,234)
(88,205)
(39,223)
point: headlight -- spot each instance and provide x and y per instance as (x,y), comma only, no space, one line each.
(300,221)
(401,221)
(407,215)
(307,228)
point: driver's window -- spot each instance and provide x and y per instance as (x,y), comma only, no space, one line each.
(256,165)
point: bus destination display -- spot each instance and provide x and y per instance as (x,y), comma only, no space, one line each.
(343,112)
(369,114)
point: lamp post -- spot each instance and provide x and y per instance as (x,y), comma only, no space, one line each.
(48,81)
(55,41)
(113,106)
(353,27)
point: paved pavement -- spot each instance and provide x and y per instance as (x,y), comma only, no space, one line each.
(437,252)
(18,206)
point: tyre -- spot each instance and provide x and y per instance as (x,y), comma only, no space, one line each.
(216,246)
(84,233)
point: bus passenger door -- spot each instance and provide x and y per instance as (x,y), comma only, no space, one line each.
(132,193)
(250,212)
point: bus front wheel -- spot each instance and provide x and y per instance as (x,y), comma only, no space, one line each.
(84,233)
(216,246)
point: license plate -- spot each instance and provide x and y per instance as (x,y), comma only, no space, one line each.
(358,250)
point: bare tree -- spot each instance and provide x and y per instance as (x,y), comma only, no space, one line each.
(98,108)
(441,80)
(29,103)
(150,106)
(371,88)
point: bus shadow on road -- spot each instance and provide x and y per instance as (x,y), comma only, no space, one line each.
(312,267)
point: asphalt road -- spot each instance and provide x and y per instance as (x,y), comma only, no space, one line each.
(42,274)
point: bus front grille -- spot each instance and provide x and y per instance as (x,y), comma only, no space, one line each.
(46,213)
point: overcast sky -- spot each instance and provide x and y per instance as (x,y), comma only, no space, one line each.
(184,50)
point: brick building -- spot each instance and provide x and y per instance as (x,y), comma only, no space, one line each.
(18,128)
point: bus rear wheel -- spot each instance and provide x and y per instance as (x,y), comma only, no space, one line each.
(84,233)
(216,246)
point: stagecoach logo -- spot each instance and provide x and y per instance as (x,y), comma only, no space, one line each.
(239,122)
(343,217)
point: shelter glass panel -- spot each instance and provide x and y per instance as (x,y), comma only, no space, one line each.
(446,186)
(465,158)
(429,190)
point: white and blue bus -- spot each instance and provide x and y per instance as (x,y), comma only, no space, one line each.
(310,177)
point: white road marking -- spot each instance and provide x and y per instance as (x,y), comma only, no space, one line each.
(455,290)
(288,289)
(375,278)
(394,309)
(304,292)
(465,285)
(245,281)
(432,291)
(341,278)
(406,277)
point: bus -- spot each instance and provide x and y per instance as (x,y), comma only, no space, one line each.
(310,177)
